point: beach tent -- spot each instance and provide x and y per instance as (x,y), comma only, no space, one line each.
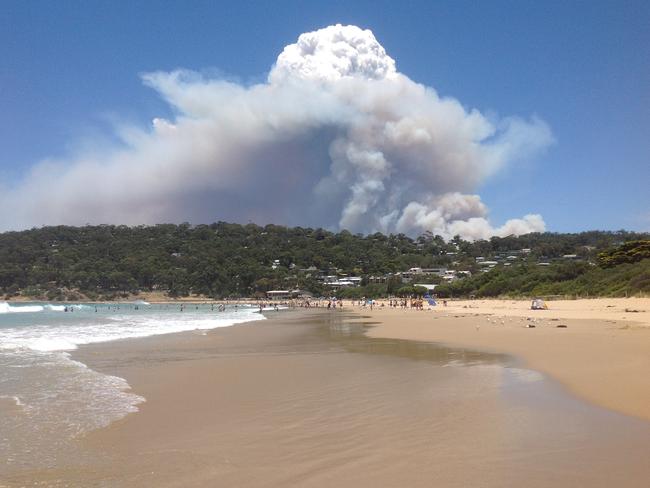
(538,304)
(430,300)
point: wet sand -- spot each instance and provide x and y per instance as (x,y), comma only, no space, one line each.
(603,354)
(306,399)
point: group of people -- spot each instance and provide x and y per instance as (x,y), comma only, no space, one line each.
(331,304)
(404,303)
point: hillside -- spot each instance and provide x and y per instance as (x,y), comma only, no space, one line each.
(232,260)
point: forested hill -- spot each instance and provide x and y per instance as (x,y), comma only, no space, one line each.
(231,260)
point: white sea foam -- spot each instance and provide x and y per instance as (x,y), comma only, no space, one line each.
(33,308)
(46,344)
(7,308)
(58,398)
(54,308)
(66,337)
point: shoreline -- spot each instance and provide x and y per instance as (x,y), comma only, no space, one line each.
(598,355)
(162,298)
(601,356)
(306,399)
(153,299)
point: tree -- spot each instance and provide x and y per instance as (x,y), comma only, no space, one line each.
(419,290)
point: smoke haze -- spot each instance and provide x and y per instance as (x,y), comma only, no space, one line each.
(336,137)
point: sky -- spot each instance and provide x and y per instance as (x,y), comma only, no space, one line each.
(537,115)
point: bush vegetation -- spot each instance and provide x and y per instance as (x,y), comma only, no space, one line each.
(232,260)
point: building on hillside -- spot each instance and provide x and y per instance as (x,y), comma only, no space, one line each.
(435,271)
(344,282)
(287,294)
(408,276)
(378,279)
(278,294)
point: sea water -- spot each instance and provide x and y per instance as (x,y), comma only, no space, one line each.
(48,399)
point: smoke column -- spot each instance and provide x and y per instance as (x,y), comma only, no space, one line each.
(336,137)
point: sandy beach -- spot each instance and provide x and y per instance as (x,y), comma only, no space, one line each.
(602,355)
(307,399)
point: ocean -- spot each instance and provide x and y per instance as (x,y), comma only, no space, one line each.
(47,399)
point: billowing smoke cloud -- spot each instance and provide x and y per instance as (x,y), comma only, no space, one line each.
(336,137)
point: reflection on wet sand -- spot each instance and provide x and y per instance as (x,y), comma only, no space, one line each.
(350,334)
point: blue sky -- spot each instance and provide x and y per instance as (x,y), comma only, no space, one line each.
(70,70)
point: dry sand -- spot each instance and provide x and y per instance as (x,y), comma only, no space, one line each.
(603,355)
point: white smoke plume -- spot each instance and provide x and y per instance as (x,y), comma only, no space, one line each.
(336,137)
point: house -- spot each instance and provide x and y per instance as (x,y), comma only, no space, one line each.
(278,294)
(435,271)
(286,294)
(345,282)
(408,276)
(378,279)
